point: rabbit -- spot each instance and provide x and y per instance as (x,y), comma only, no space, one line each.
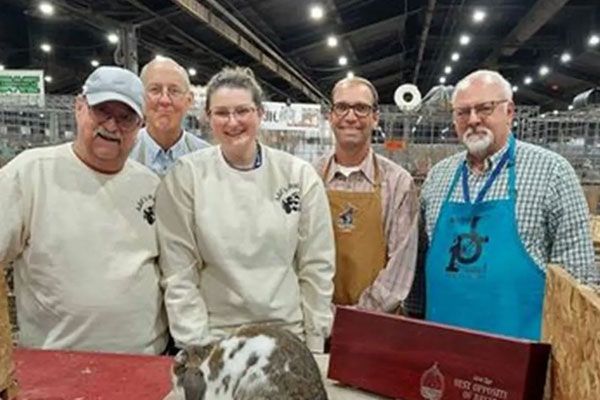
(257,362)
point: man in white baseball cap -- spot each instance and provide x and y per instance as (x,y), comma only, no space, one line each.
(79,228)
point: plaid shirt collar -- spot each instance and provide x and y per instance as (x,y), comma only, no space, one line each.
(366,168)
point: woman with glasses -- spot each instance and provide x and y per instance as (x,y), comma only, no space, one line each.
(244,229)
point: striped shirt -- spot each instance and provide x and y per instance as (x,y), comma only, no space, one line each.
(552,214)
(149,153)
(400,221)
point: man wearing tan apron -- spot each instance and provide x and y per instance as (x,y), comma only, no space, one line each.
(373,206)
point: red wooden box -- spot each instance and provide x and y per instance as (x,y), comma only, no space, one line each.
(412,359)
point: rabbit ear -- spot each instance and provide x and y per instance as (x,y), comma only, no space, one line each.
(193,384)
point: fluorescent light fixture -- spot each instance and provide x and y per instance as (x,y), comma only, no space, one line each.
(113,38)
(464,40)
(316,12)
(46,8)
(46,48)
(343,60)
(442,80)
(544,70)
(478,16)
(455,56)
(192,71)
(594,40)
(565,57)
(95,63)
(447,69)
(527,80)
(332,41)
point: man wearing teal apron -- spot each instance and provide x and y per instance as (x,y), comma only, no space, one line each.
(495,216)
(489,281)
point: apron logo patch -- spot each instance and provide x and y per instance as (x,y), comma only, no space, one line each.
(145,205)
(345,220)
(466,247)
(289,197)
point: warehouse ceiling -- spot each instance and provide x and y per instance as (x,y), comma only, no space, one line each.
(389,42)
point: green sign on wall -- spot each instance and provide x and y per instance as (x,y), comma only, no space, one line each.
(22,87)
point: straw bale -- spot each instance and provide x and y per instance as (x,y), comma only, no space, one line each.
(572,326)
(6,365)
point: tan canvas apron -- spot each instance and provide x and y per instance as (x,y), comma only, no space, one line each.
(359,239)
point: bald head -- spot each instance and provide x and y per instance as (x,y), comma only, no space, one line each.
(486,78)
(165,62)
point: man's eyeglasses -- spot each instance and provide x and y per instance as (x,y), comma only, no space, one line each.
(125,122)
(174,92)
(239,113)
(360,109)
(482,110)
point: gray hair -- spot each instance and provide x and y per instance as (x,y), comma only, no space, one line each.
(487,76)
(354,81)
(235,78)
(165,60)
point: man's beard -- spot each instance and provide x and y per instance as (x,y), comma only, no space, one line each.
(478,142)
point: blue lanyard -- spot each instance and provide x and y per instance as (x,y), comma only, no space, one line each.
(508,154)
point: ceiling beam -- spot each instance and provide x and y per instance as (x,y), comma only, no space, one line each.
(541,12)
(574,73)
(382,26)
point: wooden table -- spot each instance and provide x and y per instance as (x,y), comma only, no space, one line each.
(62,375)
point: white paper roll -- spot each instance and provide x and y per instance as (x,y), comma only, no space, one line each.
(407,97)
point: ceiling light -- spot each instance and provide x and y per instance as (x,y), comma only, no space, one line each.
(464,40)
(447,69)
(332,41)
(113,38)
(442,80)
(1,67)
(350,74)
(343,60)
(48,78)
(46,48)
(515,88)
(192,71)
(527,80)
(570,107)
(316,12)
(594,40)
(555,112)
(95,63)
(565,57)
(46,8)
(479,16)
(455,56)
(544,70)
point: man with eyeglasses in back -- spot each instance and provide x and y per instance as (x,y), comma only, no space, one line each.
(495,215)
(79,226)
(373,204)
(168,98)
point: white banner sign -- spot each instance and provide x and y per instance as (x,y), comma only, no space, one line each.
(297,116)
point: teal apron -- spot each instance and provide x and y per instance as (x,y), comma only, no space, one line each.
(478,273)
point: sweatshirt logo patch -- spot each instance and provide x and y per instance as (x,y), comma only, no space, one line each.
(145,206)
(289,197)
